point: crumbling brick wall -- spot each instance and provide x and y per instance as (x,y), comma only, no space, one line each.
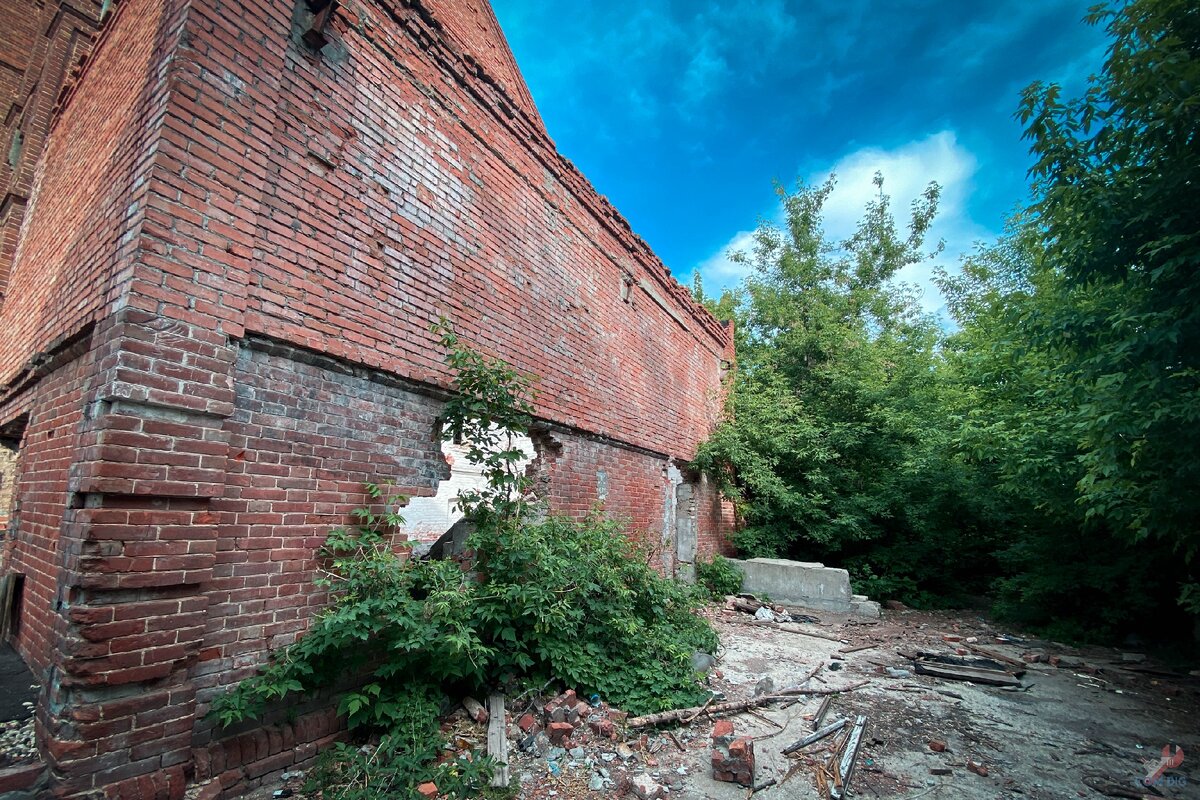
(217,327)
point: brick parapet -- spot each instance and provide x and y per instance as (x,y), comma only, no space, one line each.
(511,107)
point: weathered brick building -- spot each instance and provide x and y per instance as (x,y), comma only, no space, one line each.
(226,230)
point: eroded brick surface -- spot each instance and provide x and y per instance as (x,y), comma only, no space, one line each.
(215,327)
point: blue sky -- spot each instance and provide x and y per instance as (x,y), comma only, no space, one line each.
(684,113)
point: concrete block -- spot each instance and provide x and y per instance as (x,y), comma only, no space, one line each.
(799,583)
(865,608)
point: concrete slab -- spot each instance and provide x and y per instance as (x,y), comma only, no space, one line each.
(799,583)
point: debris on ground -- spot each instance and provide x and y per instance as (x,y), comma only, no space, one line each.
(974,674)
(950,735)
(732,757)
(18,744)
(18,693)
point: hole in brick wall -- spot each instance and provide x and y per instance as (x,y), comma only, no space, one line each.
(427,518)
(11,436)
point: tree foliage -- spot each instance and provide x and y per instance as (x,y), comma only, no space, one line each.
(835,443)
(1115,183)
(1071,573)
(1046,445)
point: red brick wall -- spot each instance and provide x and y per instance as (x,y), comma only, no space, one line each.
(583,475)
(715,520)
(86,190)
(47,451)
(250,241)
(40,44)
(395,195)
(305,437)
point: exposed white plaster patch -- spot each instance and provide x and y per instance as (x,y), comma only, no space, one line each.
(427,518)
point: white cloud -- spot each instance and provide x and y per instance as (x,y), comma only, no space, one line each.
(719,271)
(907,170)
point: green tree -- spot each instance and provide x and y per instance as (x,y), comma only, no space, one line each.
(1015,405)
(835,446)
(1115,185)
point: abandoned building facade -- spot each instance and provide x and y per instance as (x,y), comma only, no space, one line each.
(226,229)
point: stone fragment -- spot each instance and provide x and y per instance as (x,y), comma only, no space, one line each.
(475,710)
(603,727)
(646,788)
(536,744)
(937,746)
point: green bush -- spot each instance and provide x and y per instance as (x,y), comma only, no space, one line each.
(565,598)
(719,577)
(396,767)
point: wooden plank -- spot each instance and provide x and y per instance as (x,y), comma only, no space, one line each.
(994,656)
(10,585)
(990,677)
(785,627)
(747,606)
(822,710)
(845,770)
(856,648)
(497,739)
(736,707)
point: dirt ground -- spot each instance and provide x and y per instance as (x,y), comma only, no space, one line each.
(1089,717)
(1081,719)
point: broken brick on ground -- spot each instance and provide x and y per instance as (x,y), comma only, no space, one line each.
(1104,719)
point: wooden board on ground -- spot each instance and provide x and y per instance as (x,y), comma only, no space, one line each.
(497,743)
(989,677)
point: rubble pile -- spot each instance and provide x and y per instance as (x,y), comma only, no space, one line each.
(732,757)
(915,702)
(581,742)
(564,746)
(17,741)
